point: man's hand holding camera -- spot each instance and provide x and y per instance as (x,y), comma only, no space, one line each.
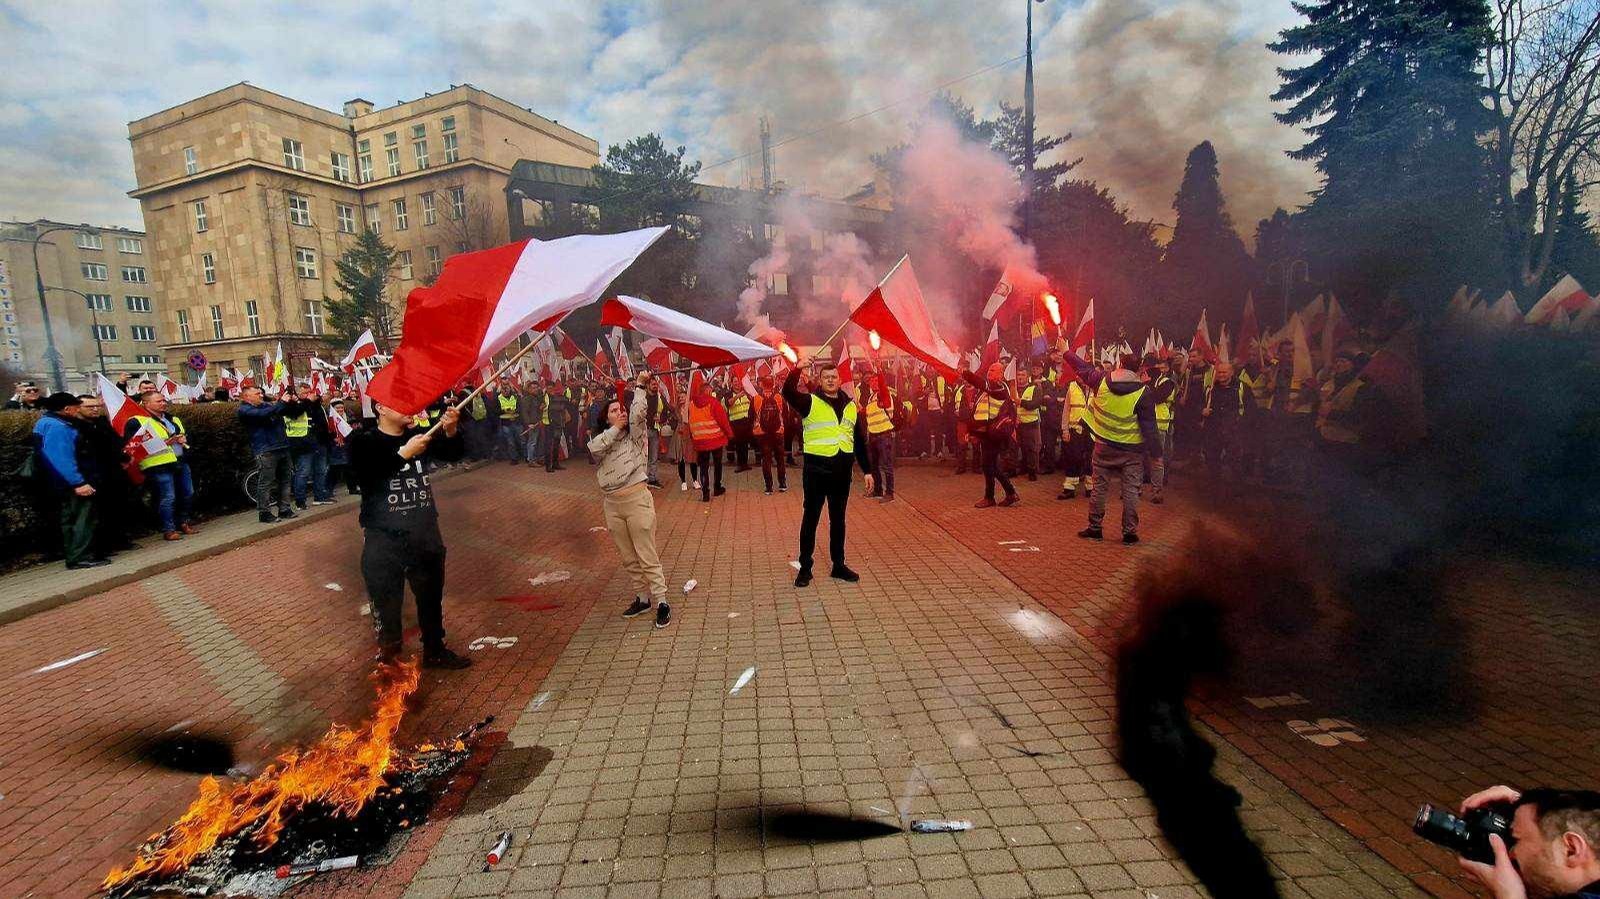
(1541,843)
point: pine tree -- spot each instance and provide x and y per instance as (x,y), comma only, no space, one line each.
(1577,246)
(1205,264)
(362,276)
(1394,106)
(1009,141)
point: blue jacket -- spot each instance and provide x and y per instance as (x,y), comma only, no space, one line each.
(56,440)
(264,425)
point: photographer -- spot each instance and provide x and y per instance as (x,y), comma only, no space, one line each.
(1555,845)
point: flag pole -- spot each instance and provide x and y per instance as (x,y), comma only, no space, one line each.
(495,377)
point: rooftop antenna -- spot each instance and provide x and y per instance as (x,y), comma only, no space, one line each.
(766,155)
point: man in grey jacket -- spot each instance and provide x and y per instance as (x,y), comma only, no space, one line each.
(1122,418)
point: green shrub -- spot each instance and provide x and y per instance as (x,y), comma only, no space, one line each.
(219,458)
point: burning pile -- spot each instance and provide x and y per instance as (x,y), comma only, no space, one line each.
(344,796)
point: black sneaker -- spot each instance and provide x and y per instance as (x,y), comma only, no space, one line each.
(888,498)
(663,614)
(1091,534)
(268,518)
(639,607)
(445,659)
(286,514)
(1067,494)
(783,488)
(803,579)
(300,504)
(843,573)
(1130,538)
(387,655)
(1010,500)
(767,492)
(719,491)
(1158,499)
(92,563)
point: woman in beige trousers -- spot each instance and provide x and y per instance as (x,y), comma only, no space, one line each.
(621,450)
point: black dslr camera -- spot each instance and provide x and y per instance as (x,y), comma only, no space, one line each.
(1468,835)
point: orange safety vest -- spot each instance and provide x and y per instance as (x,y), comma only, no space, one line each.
(702,424)
(756,403)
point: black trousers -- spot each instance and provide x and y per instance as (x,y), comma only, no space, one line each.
(824,481)
(389,560)
(708,461)
(743,440)
(993,448)
(772,451)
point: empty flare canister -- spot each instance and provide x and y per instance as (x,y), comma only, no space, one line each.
(322,867)
(940,826)
(499,850)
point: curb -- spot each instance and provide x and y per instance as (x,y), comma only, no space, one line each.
(110,582)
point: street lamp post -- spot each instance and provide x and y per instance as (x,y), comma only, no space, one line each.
(94,316)
(51,354)
(1027,129)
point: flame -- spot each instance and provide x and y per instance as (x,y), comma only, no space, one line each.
(875,340)
(1052,306)
(342,770)
(788,352)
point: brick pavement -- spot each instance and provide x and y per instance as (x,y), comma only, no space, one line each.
(924,691)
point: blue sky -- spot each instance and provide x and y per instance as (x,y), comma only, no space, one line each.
(1137,81)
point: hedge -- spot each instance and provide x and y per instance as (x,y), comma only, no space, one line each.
(219,458)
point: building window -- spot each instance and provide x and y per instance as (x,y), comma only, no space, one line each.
(252,317)
(135,304)
(458,203)
(134,274)
(183,325)
(101,302)
(391,151)
(93,271)
(87,241)
(347,217)
(364,160)
(419,145)
(199,215)
(313,316)
(300,209)
(373,222)
(403,259)
(144,333)
(429,215)
(341,165)
(293,156)
(191,161)
(105,332)
(305,262)
(434,262)
(216,322)
(400,218)
(208,268)
(140,360)
(447,128)
(778,284)
(131,245)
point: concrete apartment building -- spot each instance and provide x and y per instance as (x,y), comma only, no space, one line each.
(250,197)
(103,298)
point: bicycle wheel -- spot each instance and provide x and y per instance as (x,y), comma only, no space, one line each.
(249,484)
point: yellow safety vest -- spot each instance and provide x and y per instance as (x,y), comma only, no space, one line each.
(299,426)
(1335,418)
(1077,405)
(508,406)
(544,409)
(1025,415)
(154,426)
(1111,415)
(739,409)
(987,407)
(420,419)
(478,410)
(825,434)
(879,419)
(1260,386)
(1164,408)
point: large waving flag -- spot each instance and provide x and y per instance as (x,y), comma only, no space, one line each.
(1201,342)
(656,354)
(991,348)
(1566,299)
(701,343)
(1085,333)
(485,300)
(119,409)
(364,348)
(895,309)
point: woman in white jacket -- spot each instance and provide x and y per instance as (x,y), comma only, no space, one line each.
(620,446)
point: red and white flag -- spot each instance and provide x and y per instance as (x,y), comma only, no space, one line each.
(1201,342)
(991,349)
(485,300)
(896,310)
(619,345)
(1248,346)
(1566,299)
(1084,335)
(847,376)
(119,409)
(569,347)
(602,361)
(656,354)
(1001,295)
(364,348)
(167,386)
(701,343)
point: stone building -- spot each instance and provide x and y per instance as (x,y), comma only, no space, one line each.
(250,197)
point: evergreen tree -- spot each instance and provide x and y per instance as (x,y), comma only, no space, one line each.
(362,277)
(1205,265)
(1010,141)
(1091,248)
(1576,250)
(1395,108)
(643,184)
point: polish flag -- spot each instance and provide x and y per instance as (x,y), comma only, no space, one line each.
(619,344)
(991,348)
(142,445)
(1000,295)
(699,342)
(847,377)
(119,409)
(656,354)
(1249,343)
(896,310)
(1201,342)
(1222,344)
(1085,333)
(748,382)
(602,361)
(167,386)
(1566,299)
(364,348)
(569,347)
(484,300)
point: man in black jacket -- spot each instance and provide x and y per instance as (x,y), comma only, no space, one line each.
(833,433)
(113,492)
(401,526)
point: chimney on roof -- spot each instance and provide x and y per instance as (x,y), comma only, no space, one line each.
(357,107)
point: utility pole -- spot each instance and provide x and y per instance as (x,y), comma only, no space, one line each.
(51,354)
(1027,129)
(766,155)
